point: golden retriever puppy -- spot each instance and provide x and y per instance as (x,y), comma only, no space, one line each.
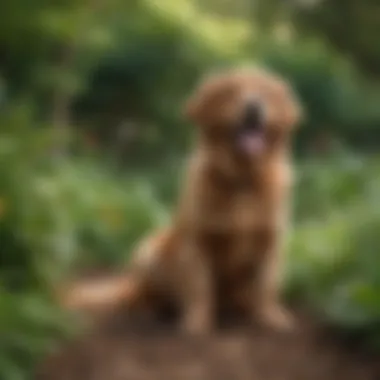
(225,242)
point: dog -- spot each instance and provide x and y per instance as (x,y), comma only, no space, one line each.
(226,240)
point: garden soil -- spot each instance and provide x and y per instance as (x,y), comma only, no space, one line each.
(116,350)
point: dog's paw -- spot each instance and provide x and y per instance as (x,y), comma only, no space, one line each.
(196,326)
(277,318)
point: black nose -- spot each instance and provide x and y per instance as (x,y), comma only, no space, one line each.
(253,115)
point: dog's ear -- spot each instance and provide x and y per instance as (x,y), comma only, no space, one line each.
(196,107)
(196,104)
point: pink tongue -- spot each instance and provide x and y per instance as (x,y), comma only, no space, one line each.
(251,143)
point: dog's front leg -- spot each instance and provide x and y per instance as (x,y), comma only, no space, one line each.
(196,290)
(266,284)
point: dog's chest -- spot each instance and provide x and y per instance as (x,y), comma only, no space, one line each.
(232,252)
(241,215)
(239,231)
(245,213)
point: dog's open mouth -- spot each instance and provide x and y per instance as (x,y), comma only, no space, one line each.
(251,142)
(250,135)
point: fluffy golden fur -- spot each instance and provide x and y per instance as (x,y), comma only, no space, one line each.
(225,243)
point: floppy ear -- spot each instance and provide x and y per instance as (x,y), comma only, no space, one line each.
(196,107)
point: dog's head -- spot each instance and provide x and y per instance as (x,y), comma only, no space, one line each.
(249,109)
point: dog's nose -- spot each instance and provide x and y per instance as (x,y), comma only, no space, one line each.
(253,113)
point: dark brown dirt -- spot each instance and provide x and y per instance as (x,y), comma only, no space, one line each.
(115,352)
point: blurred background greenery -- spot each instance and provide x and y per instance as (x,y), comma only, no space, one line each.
(92,142)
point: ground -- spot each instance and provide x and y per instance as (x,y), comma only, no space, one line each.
(115,351)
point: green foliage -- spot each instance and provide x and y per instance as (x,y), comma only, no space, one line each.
(333,256)
(29,321)
(30,326)
(330,20)
(54,217)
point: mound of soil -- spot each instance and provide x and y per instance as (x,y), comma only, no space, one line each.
(120,352)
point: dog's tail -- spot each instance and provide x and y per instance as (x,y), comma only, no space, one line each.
(127,289)
(99,294)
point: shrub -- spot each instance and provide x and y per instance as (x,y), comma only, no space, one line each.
(333,256)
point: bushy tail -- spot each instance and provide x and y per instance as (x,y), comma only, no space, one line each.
(99,294)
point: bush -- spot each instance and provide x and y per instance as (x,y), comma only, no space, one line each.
(333,256)
(56,216)
(29,233)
